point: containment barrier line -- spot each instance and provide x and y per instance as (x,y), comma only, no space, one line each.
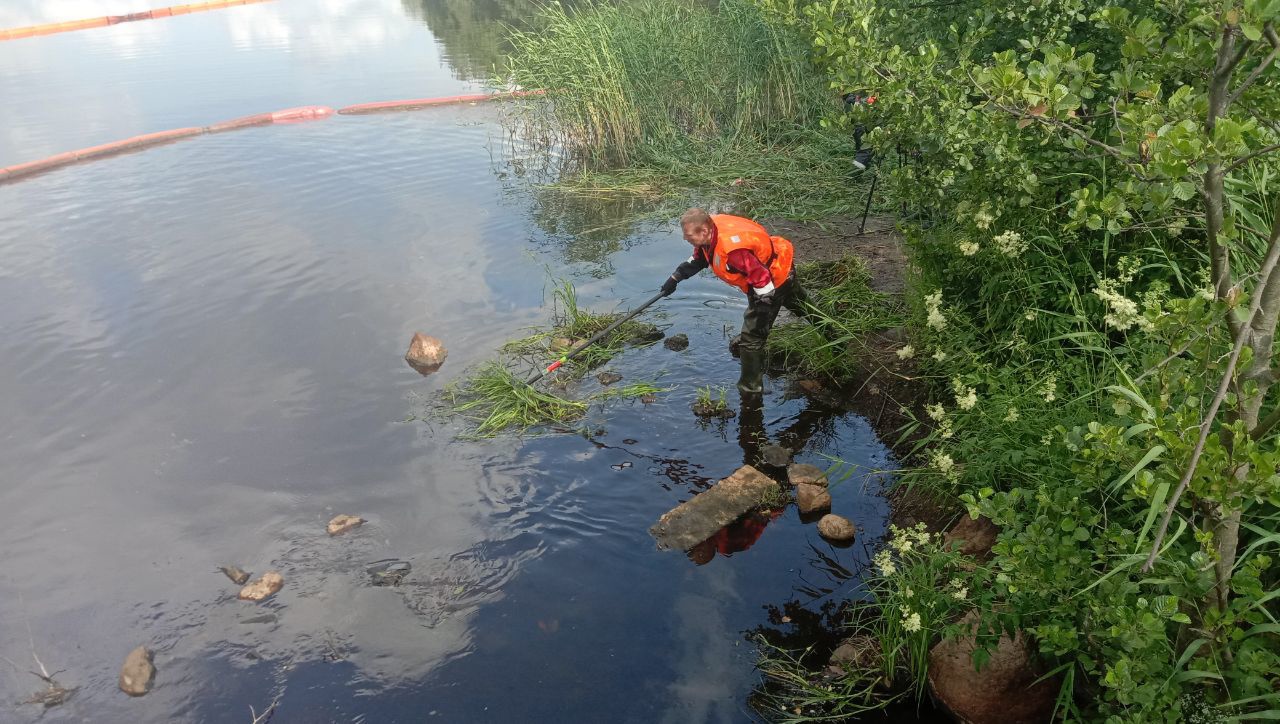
(415,103)
(288,115)
(137,143)
(105,20)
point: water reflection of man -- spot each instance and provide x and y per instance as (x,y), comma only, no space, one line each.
(736,537)
(743,254)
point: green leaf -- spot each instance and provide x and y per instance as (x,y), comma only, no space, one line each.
(1251,31)
(1184,190)
(1135,398)
(1152,454)
(1157,504)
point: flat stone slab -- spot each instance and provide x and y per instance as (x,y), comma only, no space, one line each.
(692,522)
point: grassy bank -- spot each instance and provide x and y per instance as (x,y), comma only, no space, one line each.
(1095,270)
(1094,303)
(654,98)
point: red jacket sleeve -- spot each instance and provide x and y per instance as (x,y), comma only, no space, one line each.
(743,260)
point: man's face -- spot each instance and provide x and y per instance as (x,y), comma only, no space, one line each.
(697,234)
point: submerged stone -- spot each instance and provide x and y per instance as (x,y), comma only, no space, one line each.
(775,455)
(389,572)
(712,410)
(647,333)
(138,672)
(608,378)
(237,575)
(677,343)
(696,520)
(425,354)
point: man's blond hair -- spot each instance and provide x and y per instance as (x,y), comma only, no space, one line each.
(695,217)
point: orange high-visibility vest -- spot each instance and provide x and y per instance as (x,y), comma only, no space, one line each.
(735,232)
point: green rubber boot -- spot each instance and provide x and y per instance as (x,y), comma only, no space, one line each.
(752,379)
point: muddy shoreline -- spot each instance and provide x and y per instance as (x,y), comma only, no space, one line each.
(888,387)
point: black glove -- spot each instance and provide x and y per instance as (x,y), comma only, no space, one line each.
(766,298)
(669,286)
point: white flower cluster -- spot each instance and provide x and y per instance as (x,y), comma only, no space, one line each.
(1122,312)
(933,304)
(1010,243)
(968,248)
(943,463)
(939,355)
(907,352)
(966,397)
(1051,388)
(1012,415)
(982,218)
(884,562)
(934,411)
(910,620)
(959,591)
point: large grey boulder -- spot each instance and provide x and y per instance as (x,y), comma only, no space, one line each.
(696,520)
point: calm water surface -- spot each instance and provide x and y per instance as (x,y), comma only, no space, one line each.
(201,364)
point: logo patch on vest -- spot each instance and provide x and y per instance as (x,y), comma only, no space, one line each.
(735,239)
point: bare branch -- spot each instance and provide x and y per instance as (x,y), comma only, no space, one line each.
(1267,424)
(1155,368)
(1266,62)
(1242,336)
(1249,157)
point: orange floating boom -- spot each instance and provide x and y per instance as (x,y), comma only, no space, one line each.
(29,31)
(415,103)
(299,114)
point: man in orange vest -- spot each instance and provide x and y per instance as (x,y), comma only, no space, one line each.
(744,255)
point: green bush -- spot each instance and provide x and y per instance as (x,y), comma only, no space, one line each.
(1096,301)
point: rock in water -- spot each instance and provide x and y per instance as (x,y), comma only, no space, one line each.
(775,455)
(425,354)
(859,653)
(237,575)
(676,343)
(389,572)
(802,474)
(138,672)
(1005,691)
(343,523)
(812,498)
(608,378)
(263,587)
(836,528)
(696,520)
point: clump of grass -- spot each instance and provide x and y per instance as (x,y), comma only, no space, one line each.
(845,309)
(775,497)
(720,105)
(712,403)
(794,692)
(631,391)
(573,325)
(626,85)
(494,399)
